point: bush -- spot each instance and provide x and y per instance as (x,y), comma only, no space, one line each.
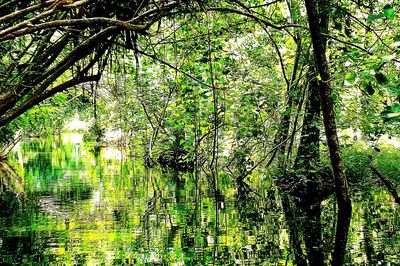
(358,157)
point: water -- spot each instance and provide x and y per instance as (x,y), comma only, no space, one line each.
(62,205)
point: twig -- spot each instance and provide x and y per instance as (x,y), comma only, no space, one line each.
(391,188)
(154,57)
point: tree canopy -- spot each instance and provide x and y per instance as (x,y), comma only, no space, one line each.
(240,85)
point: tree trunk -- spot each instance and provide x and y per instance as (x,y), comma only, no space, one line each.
(306,164)
(293,222)
(308,151)
(342,192)
(313,233)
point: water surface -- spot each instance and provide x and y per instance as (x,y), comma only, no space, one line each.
(62,205)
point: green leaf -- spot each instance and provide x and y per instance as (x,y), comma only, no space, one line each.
(387,58)
(380,78)
(396,108)
(350,78)
(374,17)
(388,11)
(394,90)
(391,114)
(367,88)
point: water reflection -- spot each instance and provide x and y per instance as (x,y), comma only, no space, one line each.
(62,205)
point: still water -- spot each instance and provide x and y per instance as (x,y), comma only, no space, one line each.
(62,205)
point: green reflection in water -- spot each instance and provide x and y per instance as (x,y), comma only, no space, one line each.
(61,205)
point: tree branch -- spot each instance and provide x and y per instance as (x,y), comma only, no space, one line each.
(387,183)
(262,21)
(38,98)
(73,22)
(23,12)
(173,67)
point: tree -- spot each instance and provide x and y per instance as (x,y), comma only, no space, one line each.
(342,191)
(59,44)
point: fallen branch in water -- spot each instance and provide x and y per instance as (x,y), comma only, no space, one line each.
(387,183)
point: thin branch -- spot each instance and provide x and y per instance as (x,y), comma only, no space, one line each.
(280,59)
(26,23)
(391,188)
(154,57)
(8,3)
(266,4)
(78,3)
(166,7)
(273,151)
(347,43)
(23,12)
(5,35)
(8,147)
(360,48)
(262,21)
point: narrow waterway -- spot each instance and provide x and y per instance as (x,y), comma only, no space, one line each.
(62,205)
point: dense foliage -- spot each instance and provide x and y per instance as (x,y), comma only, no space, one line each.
(229,87)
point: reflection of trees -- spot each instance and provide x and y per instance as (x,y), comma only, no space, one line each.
(179,227)
(292,216)
(12,195)
(158,235)
(250,205)
(11,186)
(259,216)
(303,218)
(379,224)
(368,237)
(170,217)
(183,229)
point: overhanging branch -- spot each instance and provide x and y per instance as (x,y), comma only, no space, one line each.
(38,98)
(74,22)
